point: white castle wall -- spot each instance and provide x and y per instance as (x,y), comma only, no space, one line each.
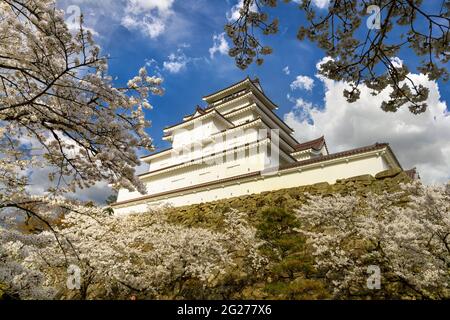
(237,163)
(329,171)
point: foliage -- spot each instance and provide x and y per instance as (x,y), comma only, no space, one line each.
(291,275)
(356,54)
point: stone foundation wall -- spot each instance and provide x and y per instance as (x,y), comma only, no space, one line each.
(209,214)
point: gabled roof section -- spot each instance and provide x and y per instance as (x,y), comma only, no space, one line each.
(316,145)
(198,111)
(199,115)
(227,91)
(257,84)
(361,150)
(246,84)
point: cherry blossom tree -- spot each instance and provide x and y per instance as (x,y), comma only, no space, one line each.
(60,109)
(18,276)
(363,40)
(405,235)
(141,254)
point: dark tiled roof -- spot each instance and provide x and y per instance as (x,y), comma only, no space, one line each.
(224,89)
(337,155)
(315,144)
(197,109)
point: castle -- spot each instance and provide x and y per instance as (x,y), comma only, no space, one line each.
(237,145)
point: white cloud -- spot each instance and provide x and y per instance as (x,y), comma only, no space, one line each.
(286,70)
(396,62)
(302,109)
(72,16)
(176,62)
(39,184)
(321,4)
(39,181)
(220,45)
(147,16)
(302,82)
(234,14)
(139,6)
(150,17)
(421,141)
(152,63)
(174,66)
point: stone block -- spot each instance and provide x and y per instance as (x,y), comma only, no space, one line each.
(402,177)
(388,173)
(321,185)
(363,177)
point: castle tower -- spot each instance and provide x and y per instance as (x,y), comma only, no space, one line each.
(238,145)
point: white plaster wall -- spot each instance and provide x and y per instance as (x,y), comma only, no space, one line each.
(233,164)
(186,146)
(234,104)
(242,117)
(159,162)
(371,164)
(199,130)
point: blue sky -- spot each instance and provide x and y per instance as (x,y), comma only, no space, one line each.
(174,38)
(189,34)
